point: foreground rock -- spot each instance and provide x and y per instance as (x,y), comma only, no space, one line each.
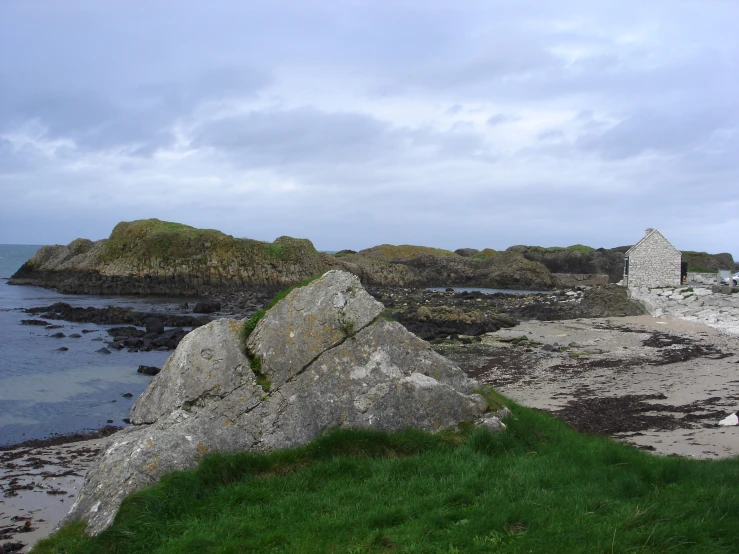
(322,359)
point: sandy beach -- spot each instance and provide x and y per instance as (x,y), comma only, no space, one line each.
(661,384)
(658,384)
(37,488)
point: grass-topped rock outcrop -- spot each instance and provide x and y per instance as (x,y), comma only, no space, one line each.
(159,257)
(331,361)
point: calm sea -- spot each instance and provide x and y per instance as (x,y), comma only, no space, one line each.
(45,391)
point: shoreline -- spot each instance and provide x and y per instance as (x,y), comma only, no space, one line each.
(616,374)
(660,384)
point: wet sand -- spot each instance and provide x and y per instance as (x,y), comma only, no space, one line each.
(38,486)
(659,384)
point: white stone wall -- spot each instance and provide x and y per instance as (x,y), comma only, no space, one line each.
(703,278)
(697,304)
(654,263)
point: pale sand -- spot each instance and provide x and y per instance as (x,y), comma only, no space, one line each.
(712,384)
(42,470)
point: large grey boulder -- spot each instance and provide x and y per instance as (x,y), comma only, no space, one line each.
(332,362)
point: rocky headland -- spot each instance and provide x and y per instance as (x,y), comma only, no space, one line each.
(152,257)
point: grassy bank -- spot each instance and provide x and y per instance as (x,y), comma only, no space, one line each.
(538,487)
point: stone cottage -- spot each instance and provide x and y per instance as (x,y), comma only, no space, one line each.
(652,262)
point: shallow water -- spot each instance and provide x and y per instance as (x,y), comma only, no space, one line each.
(44,391)
(489,291)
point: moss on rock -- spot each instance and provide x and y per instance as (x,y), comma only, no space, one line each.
(402,252)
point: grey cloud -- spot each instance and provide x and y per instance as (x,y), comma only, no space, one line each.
(141,119)
(653,131)
(500,118)
(307,136)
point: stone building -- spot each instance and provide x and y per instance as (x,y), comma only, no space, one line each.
(652,262)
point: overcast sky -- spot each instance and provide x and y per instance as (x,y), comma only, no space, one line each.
(448,124)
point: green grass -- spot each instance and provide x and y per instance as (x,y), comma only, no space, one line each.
(538,487)
(581,248)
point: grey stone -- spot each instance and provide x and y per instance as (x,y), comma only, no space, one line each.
(154,325)
(310,320)
(333,363)
(209,362)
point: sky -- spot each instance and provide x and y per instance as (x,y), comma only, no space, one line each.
(477,124)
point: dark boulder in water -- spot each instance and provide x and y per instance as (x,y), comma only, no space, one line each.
(206,307)
(148,370)
(39,322)
(154,325)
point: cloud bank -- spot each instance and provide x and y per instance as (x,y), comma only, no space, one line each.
(481,124)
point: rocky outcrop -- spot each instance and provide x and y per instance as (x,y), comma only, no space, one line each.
(580,259)
(577,259)
(159,257)
(152,257)
(321,358)
(704,262)
(600,301)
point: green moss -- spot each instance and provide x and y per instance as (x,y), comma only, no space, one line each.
(251,324)
(485,254)
(393,253)
(494,400)
(262,380)
(581,248)
(150,243)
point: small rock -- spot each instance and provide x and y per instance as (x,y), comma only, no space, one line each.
(126,395)
(58,336)
(154,325)
(103,351)
(206,307)
(39,322)
(75,336)
(148,370)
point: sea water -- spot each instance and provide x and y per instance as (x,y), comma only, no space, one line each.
(45,391)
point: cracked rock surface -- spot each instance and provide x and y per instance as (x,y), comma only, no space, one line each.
(332,362)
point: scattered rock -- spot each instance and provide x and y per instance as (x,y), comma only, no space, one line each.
(103,351)
(58,336)
(39,322)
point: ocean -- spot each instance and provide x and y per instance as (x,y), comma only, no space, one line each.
(45,391)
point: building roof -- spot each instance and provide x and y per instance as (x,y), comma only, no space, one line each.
(648,234)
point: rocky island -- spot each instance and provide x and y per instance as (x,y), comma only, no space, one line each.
(152,257)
